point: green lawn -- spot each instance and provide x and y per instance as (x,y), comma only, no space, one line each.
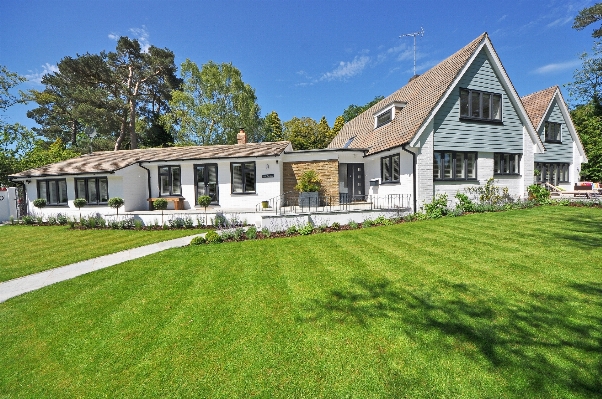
(501,305)
(30,249)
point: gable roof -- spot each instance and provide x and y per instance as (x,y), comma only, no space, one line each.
(422,96)
(111,161)
(538,105)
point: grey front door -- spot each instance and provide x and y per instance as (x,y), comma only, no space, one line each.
(355,181)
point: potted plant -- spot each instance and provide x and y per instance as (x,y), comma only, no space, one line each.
(309,185)
(204,201)
(160,204)
(39,203)
(79,203)
(116,203)
(265,204)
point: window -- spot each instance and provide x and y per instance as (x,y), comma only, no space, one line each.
(450,165)
(383,118)
(95,190)
(53,191)
(389,169)
(552,173)
(506,164)
(170,180)
(243,177)
(480,105)
(206,182)
(553,132)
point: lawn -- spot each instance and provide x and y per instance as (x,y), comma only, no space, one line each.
(31,249)
(490,305)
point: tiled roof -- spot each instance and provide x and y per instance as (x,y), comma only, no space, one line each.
(110,161)
(536,104)
(421,95)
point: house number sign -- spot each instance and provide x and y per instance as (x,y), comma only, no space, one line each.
(267,176)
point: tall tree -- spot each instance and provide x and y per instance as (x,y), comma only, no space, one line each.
(8,80)
(339,122)
(588,16)
(588,122)
(273,127)
(213,104)
(354,110)
(587,81)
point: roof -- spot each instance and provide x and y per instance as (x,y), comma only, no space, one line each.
(537,104)
(111,161)
(421,95)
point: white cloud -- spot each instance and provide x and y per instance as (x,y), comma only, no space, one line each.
(347,69)
(503,17)
(560,22)
(557,67)
(142,35)
(113,36)
(36,77)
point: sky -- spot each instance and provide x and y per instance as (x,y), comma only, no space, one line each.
(303,58)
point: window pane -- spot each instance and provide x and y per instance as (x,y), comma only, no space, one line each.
(437,165)
(497,163)
(175,181)
(343,177)
(54,192)
(80,189)
(447,165)
(538,167)
(164,170)
(486,106)
(475,104)
(496,107)
(506,165)
(516,168)
(164,184)
(460,168)
(464,102)
(103,188)
(42,192)
(383,118)
(92,194)
(62,191)
(237,178)
(395,167)
(250,177)
(471,165)
(557,131)
(386,169)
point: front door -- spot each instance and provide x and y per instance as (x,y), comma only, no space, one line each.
(206,181)
(355,181)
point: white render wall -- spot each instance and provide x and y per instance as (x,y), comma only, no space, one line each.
(372,171)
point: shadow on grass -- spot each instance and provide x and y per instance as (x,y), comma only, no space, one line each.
(583,233)
(551,342)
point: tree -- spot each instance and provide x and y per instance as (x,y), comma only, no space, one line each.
(8,80)
(588,122)
(301,132)
(588,16)
(213,104)
(273,127)
(354,110)
(44,153)
(339,122)
(587,81)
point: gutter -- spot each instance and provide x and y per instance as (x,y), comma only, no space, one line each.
(148,177)
(403,147)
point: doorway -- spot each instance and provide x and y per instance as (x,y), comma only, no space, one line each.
(205,178)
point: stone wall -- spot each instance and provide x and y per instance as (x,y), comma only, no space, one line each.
(327,170)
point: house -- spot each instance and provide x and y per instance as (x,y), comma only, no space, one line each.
(456,126)
(561,163)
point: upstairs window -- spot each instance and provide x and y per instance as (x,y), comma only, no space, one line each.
(506,164)
(170,182)
(383,118)
(553,132)
(480,105)
(389,169)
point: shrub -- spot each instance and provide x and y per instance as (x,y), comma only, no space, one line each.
(116,203)
(39,203)
(239,233)
(138,225)
(251,233)
(176,223)
(335,226)
(291,231)
(306,230)
(353,225)
(464,203)
(228,235)
(309,182)
(79,203)
(160,204)
(491,194)
(62,219)
(199,240)
(437,208)
(188,222)
(539,194)
(51,220)
(212,237)
(266,232)
(367,223)
(39,219)
(220,221)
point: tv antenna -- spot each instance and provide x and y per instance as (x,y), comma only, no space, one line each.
(419,33)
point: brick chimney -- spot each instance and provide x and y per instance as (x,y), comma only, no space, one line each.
(241,136)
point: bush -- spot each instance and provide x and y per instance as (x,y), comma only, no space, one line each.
(266,232)
(437,208)
(353,225)
(306,230)
(491,194)
(251,233)
(116,203)
(212,237)
(51,220)
(291,231)
(176,223)
(220,221)
(239,233)
(464,203)
(335,226)
(228,235)
(367,223)
(539,194)
(62,219)
(309,182)
(199,240)
(160,204)
(39,203)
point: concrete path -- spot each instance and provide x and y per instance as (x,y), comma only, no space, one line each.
(21,285)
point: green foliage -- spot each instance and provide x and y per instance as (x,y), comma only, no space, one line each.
(588,123)
(251,233)
(204,201)
(353,225)
(292,230)
(436,208)
(160,204)
(116,203)
(44,153)
(354,110)
(464,203)
(339,122)
(306,229)
(335,226)
(273,127)
(212,237)
(199,240)
(367,223)
(306,134)
(491,194)
(176,223)
(212,105)
(588,16)
(309,182)
(266,232)
(79,203)
(39,203)
(538,193)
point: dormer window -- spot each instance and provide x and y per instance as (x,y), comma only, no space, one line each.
(387,114)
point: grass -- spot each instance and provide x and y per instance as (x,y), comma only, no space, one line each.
(32,249)
(490,305)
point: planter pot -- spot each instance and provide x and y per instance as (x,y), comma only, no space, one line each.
(308,199)
(264,204)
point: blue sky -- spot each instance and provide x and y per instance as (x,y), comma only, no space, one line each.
(304,58)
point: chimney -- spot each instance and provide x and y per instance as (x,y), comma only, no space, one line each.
(241,136)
